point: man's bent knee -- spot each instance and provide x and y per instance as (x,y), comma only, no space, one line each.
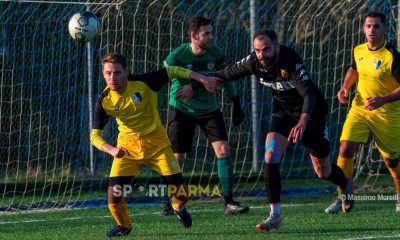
(348,149)
(271,152)
(221,148)
(118,188)
(115,194)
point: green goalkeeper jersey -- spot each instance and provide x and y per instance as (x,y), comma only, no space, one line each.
(202,101)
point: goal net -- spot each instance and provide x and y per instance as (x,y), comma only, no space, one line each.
(45,156)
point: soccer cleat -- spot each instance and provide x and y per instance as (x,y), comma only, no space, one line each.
(235,208)
(347,198)
(184,217)
(272,222)
(118,231)
(167,210)
(335,206)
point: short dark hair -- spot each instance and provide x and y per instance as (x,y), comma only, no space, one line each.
(266,32)
(114,58)
(377,15)
(195,23)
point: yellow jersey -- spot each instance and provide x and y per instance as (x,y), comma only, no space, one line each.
(135,110)
(378,75)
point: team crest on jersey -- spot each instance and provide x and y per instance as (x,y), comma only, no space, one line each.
(377,63)
(211,65)
(137,97)
(189,66)
(284,73)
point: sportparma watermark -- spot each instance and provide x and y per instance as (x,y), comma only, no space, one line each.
(163,190)
(376,197)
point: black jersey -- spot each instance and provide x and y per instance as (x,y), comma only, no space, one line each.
(289,81)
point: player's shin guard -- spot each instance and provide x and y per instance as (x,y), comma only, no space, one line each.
(180,194)
(120,213)
(225,174)
(337,177)
(346,164)
(395,172)
(272,179)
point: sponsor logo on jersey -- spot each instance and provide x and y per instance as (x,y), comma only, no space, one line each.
(377,63)
(278,86)
(137,97)
(210,65)
(284,73)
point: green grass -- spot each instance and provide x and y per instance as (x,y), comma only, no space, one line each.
(303,219)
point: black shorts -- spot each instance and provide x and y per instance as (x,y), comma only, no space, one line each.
(315,137)
(181,127)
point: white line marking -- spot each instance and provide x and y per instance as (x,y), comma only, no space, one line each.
(370,237)
(135,214)
(157,213)
(73,218)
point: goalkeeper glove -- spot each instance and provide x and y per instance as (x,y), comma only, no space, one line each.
(237,112)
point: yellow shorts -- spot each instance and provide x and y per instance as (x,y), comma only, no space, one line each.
(145,146)
(152,150)
(360,124)
(164,163)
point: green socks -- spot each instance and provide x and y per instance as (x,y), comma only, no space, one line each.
(225,174)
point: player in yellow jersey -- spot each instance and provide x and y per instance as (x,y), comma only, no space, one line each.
(376,107)
(142,140)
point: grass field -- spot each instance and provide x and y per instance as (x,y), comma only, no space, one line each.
(303,218)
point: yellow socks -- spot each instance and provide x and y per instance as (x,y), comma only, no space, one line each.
(120,213)
(178,201)
(395,172)
(346,164)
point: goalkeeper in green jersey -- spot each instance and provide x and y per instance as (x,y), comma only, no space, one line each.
(201,55)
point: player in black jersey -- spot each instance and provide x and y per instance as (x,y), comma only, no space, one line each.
(298,114)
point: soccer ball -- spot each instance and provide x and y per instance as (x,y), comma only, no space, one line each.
(84,26)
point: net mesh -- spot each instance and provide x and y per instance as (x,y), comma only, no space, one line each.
(44,110)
